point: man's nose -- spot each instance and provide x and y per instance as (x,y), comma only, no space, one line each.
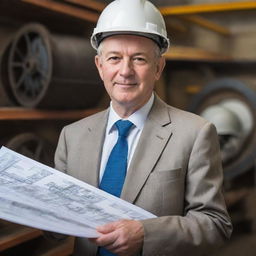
(126,68)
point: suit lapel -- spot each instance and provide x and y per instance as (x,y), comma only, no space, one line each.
(92,148)
(154,137)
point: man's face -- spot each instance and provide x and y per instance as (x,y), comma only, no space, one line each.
(129,68)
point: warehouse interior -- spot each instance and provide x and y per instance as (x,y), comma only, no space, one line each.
(210,68)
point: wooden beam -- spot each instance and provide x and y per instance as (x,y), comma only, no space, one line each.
(202,22)
(207,8)
(17,235)
(95,5)
(14,113)
(66,9)
(183,53)
(64,248)
(193,88)
(172,25)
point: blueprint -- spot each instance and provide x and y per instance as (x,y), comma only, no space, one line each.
(39,196)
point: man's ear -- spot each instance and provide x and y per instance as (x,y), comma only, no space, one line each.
(98,64)
(160,67)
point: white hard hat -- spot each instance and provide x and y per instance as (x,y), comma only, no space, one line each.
(136,17)
(225,121)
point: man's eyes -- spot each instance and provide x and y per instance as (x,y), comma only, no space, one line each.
(134,59)
(139,59)
(113,58)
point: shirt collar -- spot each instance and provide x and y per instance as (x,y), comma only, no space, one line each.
(138,118)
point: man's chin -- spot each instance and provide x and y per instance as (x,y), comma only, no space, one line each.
(125,97)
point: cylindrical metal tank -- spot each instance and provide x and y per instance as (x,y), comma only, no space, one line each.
(236,97)
(39,69)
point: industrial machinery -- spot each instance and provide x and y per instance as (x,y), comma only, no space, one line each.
(39,69)
(231,106)
(33,146)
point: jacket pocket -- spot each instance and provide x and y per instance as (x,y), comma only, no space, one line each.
(167,175)
(163,192)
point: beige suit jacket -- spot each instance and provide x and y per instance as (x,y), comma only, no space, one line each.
(175,173)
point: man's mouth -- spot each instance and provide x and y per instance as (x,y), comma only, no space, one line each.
(125,84)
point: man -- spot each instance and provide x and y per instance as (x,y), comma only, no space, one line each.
(173,164)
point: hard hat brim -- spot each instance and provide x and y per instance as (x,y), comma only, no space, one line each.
(162,43)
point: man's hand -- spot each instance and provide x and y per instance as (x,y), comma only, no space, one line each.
(124,237)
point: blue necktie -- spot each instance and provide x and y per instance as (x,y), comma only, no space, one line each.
(115,171)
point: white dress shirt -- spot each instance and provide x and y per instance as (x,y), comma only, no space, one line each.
(138,118)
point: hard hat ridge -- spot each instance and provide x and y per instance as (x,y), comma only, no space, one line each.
(137,17)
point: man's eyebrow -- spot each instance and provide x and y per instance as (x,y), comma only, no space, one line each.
(112,52)
(117,53)
(139,53)
(134,54)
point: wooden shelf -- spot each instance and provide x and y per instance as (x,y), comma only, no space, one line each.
(66,9)
(14,113)
(184,53)
(208,8)
(13,234)
(65,248)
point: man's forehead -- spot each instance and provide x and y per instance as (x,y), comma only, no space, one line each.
(119,43)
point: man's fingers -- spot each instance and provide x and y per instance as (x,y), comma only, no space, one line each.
(104,229)
(107,237)
(105,240)
(124,237)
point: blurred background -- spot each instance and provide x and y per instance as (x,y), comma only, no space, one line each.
(48,79)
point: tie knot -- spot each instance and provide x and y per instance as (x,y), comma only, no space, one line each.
(123,127)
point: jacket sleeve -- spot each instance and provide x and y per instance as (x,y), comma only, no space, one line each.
(60,158)
(205,224)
